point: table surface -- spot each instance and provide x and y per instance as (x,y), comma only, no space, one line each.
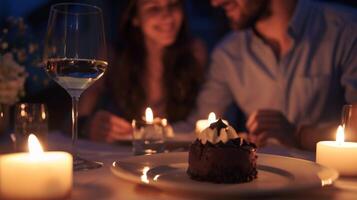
(102,184)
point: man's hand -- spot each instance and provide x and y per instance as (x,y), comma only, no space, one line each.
(108,127)
(264,124)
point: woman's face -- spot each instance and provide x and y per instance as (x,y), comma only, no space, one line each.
(159,20)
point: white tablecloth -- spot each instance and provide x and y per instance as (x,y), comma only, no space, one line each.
(102,184)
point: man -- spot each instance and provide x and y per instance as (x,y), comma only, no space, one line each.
(289,65)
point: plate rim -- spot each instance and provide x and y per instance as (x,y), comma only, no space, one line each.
(170,186)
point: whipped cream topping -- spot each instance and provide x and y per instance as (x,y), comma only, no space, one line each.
(217,132)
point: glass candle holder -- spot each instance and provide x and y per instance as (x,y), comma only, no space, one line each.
(148,138)
(30,118)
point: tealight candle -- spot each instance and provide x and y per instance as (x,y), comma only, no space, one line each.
(148,134)
(37,174)
(339,155)
(149,119)
(204,123)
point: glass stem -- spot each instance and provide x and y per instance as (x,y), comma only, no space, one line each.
(74,123)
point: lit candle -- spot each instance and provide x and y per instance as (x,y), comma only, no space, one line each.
(168,130)
(148,134)
(37,174)
(339,155)
(204,123)
(149,116)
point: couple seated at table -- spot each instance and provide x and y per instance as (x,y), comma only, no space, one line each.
(288,65)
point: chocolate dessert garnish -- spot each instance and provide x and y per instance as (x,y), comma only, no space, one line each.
(218,125)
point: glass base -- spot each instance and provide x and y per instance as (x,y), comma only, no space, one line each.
(80,164)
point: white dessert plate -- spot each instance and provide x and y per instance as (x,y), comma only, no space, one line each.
(276,174)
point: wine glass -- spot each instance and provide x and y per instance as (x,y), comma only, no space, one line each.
(75,56)
(349,121)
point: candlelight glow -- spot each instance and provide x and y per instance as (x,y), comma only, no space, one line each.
(340,135)
(144,177)
(164,122)
(36,174)
(43,115)
(23,113)
(43,112)
(34,145)
(211,117)
(156,177)
(149,116)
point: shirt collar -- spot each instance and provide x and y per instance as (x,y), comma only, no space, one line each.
(299,18)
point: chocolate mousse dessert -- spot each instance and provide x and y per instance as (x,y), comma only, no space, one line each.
(218,155)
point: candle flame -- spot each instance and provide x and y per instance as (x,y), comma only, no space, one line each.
(133,123)
(43,115)
(211,117)
(340,135)
(23,113)
(149,116)
(164,122)
(43,112)
(34,145)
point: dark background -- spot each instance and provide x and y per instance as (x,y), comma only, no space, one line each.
(207,23)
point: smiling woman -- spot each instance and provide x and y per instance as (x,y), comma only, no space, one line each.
(160,23)
(156,64)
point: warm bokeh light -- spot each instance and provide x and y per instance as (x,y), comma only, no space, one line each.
(156,177)
(35,147)
(22,112)
(43,115)
(149,116)
(211,117)
(164,122)
(340,135)
(144,177)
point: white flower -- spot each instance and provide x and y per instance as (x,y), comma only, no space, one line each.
(4,45)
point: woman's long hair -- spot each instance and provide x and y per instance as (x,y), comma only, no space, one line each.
(182,74)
